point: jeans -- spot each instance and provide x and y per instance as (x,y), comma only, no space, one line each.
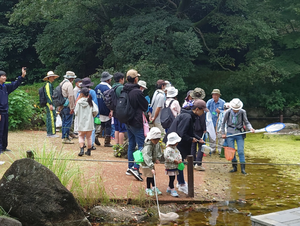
(135,136)
(180,177)
(67,119)
(199,152)
(240,144)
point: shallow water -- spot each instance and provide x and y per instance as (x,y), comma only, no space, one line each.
(263,190)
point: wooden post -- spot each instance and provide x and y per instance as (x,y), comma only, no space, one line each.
(190,172)
(281,118)
(30,154)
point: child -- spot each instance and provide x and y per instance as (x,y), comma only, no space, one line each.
(172,159)
(151,154)
(85,111)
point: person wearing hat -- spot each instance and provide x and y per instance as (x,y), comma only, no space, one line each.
(87,83)
(172,159)
(172,101)
(188,100)
(135,129)
(67,109)
(234,120)
(215,106)
(50,109)
(5,90)
(183,125)
(143,85)
(120,128)
(157,103)
(105,113)
(151,155)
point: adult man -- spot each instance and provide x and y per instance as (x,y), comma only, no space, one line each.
(215,105)
(105,113)
(120,128)
(67,109)
(135,125)
(183,125)
(5,90)
(157,103)
(50,109)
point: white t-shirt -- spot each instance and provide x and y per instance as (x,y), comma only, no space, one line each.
(158,100)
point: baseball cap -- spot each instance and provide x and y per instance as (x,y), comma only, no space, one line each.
(132,73)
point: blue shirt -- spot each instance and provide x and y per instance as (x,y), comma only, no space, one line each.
(212,106)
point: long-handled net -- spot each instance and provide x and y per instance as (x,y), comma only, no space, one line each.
(272,128)
(164,217)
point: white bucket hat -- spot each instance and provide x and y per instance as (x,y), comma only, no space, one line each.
(142,84)
(236,104)
(173,138)
(172,92)
(70,74)
(154,133)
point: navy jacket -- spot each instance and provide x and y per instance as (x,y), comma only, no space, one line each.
(100,89)
(5,90)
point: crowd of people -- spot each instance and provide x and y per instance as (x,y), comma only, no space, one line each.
(184,128)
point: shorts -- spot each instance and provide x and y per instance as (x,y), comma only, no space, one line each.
(171,173)
(120,127)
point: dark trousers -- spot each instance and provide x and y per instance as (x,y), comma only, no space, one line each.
(50,122)
(3,132)
(198,155)
(106,127)
(67,119)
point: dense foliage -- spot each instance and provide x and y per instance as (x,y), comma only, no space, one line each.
(247,48)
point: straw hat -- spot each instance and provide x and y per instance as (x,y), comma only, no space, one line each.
(236,104)
(50,74)
(198,93)
(70,74)
(142,84)
(173,138)
(216,91)
(172,92)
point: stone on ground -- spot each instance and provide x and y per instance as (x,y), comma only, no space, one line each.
(7,221)
(34,195)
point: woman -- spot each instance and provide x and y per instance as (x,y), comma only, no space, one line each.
(171,99)
(235,118)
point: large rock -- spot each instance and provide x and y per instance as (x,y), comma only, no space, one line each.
(34,195)
(7,221)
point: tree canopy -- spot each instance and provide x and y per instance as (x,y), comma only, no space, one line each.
(247,48)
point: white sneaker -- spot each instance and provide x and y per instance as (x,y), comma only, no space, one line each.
(177,185)
(128,172)
(199,168)
(52,135)
(184,189)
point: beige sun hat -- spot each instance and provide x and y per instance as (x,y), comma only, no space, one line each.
(50,74)
(216,91)
(236,104)
(198,93)
(142,84)
(70,74)
(173,138)
(172,92)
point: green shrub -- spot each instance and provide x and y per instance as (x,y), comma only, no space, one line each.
(20,109)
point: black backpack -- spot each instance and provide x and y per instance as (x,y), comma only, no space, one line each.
(42,95)
(58,99)
(124,111)
(110,98)
(166,116)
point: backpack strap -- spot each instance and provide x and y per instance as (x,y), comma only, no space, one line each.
(169,104)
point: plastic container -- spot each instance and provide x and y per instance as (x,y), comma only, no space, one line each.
(181,166)
(97,121)
(138,156)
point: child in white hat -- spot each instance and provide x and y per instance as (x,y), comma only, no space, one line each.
(172,159)
(151,154)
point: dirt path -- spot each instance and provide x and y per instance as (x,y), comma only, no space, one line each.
(213,184)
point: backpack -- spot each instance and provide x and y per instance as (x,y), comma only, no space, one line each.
(166,116)
(42,95)
(110,98)
(58,99)
(124,112)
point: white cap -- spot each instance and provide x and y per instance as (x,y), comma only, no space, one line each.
(142,84)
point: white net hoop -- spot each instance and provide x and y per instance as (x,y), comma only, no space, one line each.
(275,127)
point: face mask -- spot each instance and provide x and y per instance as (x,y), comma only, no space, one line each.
(80,84)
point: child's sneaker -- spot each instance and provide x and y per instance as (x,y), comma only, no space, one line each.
(158,191)
(149,192)
(174,193)
(168,190)
(183,188)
